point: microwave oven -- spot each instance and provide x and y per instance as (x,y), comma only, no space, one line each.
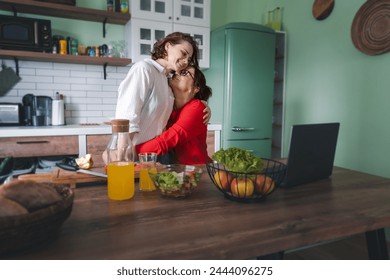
(29,34)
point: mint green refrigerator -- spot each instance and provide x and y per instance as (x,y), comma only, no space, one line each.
(241,75)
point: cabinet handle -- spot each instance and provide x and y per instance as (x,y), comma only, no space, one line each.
(32,142)
(169,17)
(239,129)
(177,18)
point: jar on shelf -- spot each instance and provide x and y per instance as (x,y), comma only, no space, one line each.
(110,5)
(124,6)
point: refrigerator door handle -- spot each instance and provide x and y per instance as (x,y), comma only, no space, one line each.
(239,129)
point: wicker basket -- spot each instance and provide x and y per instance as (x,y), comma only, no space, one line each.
(20,232)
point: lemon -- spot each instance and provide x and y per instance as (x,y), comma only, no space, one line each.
(85,162)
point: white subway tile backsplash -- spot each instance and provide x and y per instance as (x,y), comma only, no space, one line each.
(23,72)
(110,88)
(35,64)
(53,86)
(90,74)
(100,81)
(109,101)
(88,97)
(85,87)
(97,68)
(75,107)
(104,107)
(74,93)
(34,78)
(53,73)
(87,114)
(67,66)
(25,85)
(97,94)
(70,80)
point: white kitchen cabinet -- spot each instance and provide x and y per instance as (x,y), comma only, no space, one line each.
(154,19)
(189,12)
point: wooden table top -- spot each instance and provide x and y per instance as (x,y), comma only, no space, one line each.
(209,226)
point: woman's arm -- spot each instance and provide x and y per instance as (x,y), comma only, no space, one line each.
(189,124)
(132,93)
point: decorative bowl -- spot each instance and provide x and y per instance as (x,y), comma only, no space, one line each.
(247,187)
(176,180)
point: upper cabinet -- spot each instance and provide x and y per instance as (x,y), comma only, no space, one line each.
(189,12)
(154,19)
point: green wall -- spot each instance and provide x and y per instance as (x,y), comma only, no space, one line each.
(327,78)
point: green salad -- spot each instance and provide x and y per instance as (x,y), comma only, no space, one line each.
(238,160)
(171,181)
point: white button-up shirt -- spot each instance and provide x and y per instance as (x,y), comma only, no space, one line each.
(145,99)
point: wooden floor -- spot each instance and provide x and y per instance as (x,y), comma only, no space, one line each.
(353,248)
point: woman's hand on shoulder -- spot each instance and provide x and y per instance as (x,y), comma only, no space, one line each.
(207,111)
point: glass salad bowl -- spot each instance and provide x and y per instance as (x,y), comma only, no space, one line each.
(176,180)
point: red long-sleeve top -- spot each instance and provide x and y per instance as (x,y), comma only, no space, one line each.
(185,133)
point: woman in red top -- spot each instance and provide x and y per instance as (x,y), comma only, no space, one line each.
(186,133)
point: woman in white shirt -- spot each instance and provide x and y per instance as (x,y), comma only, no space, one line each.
(144,96)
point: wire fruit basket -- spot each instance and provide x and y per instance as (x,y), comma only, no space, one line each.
(247,187)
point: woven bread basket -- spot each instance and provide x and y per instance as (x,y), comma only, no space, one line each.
(23,231)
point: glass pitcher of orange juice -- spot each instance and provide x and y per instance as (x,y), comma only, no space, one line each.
(120,162)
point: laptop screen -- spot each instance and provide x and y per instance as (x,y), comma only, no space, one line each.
(311,154)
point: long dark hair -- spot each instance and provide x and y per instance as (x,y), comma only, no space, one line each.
(175,38)
(200,81)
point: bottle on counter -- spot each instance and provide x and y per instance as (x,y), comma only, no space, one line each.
(58,110)
(120,162)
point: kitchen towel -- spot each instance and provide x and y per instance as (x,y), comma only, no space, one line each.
(8,79)
(58,112)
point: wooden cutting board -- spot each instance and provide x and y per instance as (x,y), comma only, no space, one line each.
(60,176)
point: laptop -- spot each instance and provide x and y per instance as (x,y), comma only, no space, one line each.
(311,154)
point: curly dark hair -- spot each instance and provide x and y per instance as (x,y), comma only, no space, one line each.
(200,81)
(175,38)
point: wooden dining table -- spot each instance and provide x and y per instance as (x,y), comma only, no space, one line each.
(207,225)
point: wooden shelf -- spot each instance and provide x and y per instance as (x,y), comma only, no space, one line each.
(63,11)
(75,59)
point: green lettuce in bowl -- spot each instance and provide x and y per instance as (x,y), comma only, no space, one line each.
(238,160)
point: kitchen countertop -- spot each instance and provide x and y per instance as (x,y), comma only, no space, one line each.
(209,226)
(73,129)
